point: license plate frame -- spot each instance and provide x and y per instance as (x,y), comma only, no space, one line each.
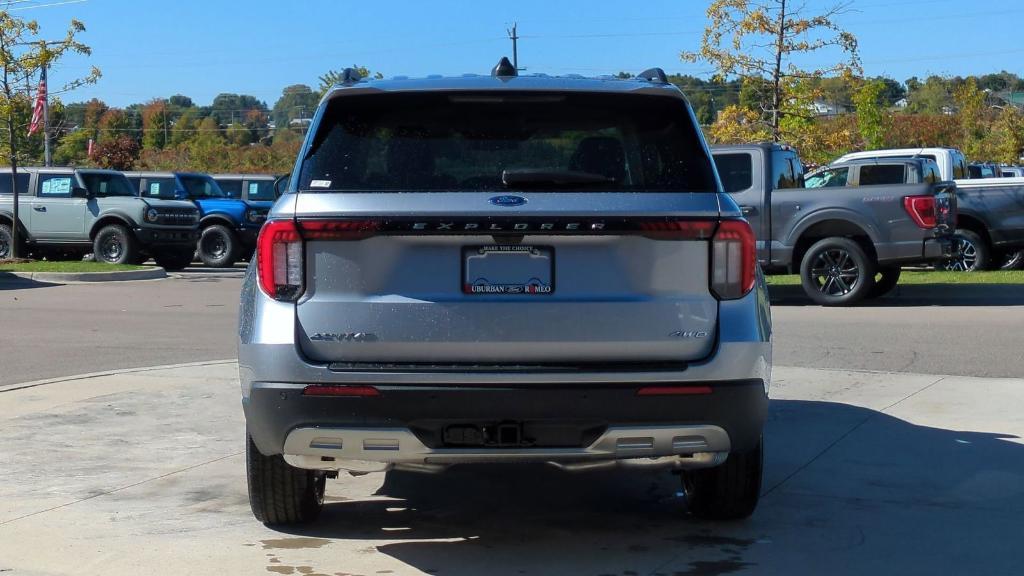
(535,275)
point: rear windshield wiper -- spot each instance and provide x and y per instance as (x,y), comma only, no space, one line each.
(553,178)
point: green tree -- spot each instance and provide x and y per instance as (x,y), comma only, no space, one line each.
(973,127)
(228,108)
(156,125)
(871,117)
(929,97)
(297,101)
(23,53)
(1008,134)
(333,77)
(74,147)
(115,123)
(239,135)
(185,128)
(761,39)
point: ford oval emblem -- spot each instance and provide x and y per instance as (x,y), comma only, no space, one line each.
(508,201)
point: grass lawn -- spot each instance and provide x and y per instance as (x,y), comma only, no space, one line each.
(72,266)
(929,277)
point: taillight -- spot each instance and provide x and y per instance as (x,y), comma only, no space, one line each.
(679,229)
(921,210)
(281,247)
(279,260)
(733,260)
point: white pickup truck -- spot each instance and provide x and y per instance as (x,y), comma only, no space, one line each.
(990,227)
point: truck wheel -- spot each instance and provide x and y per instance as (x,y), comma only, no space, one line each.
(114,244)
(837,272)
(7,243)
(280,493)
(889,278)
(974,254)
(1012,261)
(729,491)
(218,247)
(174,261)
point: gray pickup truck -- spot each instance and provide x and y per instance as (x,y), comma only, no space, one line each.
(847,240)
(67,211)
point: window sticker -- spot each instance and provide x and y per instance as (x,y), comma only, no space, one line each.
(254,189)
(47,186)
(320,184)
(154,188)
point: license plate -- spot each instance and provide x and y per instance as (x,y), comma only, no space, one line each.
(525,270)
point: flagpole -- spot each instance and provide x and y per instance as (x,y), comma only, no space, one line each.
(47,154)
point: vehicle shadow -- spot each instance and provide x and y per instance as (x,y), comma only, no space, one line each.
(919,295)
(842,484)
(17,283)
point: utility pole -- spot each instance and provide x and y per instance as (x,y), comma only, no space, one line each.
(47,153)
(514,36)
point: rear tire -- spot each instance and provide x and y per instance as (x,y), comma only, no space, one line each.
(729,491)
(174,261)
(218,247)
(1012,260)
(974,253)
(7,243)
(115,244)
(837,272)
(890,277)
(280,493)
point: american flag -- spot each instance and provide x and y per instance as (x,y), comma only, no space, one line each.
(37,113)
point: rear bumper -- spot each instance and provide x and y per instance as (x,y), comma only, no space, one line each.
(413,424)
(154,237)
(927,250)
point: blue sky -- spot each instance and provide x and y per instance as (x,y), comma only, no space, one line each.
(150,49)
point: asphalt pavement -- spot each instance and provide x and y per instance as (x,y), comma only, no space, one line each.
(866,473)
(54,331)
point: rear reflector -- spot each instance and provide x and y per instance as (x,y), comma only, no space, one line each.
(342,391)
(921,210)
(733,260)
(679,229)
(673,390)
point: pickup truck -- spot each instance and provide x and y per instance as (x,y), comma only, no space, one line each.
(69,212)
(990,229)
(228,226)
(847,243)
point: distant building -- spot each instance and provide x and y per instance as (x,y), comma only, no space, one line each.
(823,108)
(901,103)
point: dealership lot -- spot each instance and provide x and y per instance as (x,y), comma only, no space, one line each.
(867,473)
(901,470)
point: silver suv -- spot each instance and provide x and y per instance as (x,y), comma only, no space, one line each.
(504,269)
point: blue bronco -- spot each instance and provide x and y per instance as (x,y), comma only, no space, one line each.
(229,226)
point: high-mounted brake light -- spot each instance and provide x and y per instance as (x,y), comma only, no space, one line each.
(280,250)
(921,210)
(733,260)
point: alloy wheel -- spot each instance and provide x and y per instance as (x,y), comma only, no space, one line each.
(215,246)
(835,272)
(968,259)
(112,249)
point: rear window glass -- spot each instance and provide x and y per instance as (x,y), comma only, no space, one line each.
(931,173)
(232,188)
(107,184)
(828,178)
(159,188)
(260,190)
(5,183)
(871,175)
(735,171)
(787,172)
(471,141)
(201,187)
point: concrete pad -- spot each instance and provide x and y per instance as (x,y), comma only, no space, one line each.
(866,473)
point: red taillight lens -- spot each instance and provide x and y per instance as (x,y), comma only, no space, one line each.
(341,391)
(679,229)
(279,259)
(921,210)
(733,260)
(281,247)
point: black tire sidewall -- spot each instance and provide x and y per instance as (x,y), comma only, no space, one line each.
(129,247)
(890,278)
(230,255)
(983,259)
(866,266)
(8,235)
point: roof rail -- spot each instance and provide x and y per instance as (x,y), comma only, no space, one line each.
(654,75)
(350,76)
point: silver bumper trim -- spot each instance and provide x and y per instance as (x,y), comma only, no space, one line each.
(377,449)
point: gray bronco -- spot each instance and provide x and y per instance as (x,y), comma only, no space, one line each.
(504,269)
(70,212)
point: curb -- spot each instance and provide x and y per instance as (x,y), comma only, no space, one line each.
(151,273)
(91,375)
